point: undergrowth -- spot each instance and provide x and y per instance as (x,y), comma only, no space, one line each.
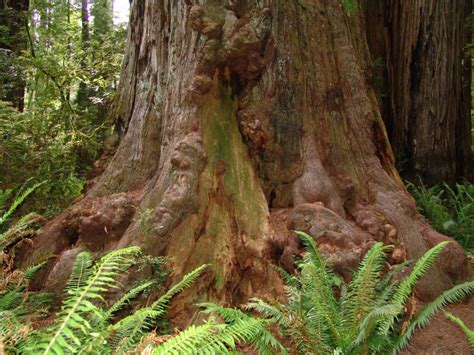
(367,316)
(449,210)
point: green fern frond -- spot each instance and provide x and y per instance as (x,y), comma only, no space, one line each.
(188,279)
(129,330)
(127,297)
(192,338)
(362,296)
(404,290)
(81,271)
(18,200)
(238,321)
(64,335)
(468,332)
(267,310)
(31,270)
(319,291)
(452,295)
(368,324)
(288,279)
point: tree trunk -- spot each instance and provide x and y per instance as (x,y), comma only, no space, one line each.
(13,19)
(419,48)
(236,118)
(84,92)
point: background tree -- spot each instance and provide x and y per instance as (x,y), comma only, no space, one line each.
(58,136)
(424,73)
(234,116)
(13,41)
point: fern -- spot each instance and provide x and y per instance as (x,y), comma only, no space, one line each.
(17,201)
(187,341)
(404,290)
(363,318)
(186,281)
(72,318)
(469,332)
(262,340)
(449,210)
(127,297)
(452,295)
(360,300)
(132,328)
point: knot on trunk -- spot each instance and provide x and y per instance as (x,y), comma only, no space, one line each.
(236,40)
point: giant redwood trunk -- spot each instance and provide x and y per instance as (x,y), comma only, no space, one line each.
(236,117)
(419,46)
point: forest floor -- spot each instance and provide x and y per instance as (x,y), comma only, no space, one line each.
(442,336)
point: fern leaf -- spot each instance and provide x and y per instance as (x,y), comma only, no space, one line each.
(190,339)
(260,337)
(19,198)
(468,332)
(361,297)
(63,334)
(368,323)
(452,295)
(80,272)
(127,297)
(131,329)
(405,288)
(185,282)
(31,270)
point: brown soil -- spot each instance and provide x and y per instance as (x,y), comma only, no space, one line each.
(442,336)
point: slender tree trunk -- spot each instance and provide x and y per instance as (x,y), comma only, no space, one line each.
(13,17)
(419,48)
(84,92)
(236,118)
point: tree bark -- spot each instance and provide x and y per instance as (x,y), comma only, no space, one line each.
(235,118)
(84,92)
(423,84)
(13,17)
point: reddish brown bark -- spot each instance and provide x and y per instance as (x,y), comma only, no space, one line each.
(423,78)
(233,117)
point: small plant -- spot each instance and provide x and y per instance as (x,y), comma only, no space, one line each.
(365,318)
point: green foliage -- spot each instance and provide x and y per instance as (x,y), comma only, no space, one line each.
(59,135)
(449,211)
(9,203)
(469,332)
(85,323)
(364,319)
(350,6)
(17,201)
(19,308)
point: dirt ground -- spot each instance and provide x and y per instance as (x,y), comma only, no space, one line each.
(442,336)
